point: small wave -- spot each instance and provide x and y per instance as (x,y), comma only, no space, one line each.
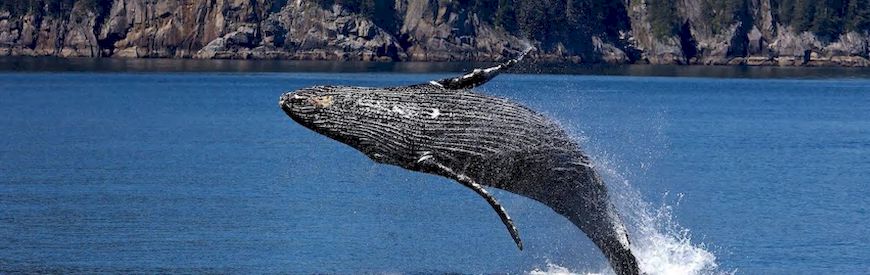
(554,269)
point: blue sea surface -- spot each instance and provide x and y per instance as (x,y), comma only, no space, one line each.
(202,172)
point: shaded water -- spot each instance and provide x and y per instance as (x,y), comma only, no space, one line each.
(202,172)
(53,64)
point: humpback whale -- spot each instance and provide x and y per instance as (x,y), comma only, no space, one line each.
(442,127)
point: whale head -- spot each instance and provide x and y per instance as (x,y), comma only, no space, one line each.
(357,116)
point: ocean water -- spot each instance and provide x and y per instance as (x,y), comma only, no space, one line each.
(202,172)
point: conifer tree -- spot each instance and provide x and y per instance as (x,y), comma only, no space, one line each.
(804,14)
(858,16)
(663,14)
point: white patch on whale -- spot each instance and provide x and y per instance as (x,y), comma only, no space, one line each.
(435,113)
(398,110)
(403,111)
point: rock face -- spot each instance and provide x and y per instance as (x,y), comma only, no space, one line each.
(752,37)
(421,30)
(137,28)
(437,31)
(303,30)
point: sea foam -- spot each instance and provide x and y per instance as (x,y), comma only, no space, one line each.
(661,245)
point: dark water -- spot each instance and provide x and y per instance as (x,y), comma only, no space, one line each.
(202,172)
(53,64)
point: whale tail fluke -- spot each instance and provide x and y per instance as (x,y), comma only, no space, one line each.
(607,233)
(587,206)
(621,259)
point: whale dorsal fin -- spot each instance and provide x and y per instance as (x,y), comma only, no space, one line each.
(477,76)
(430,164)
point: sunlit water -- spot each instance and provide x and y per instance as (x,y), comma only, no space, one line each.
(202,172)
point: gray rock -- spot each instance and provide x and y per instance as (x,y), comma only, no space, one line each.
(426,30)
(79,39)
(849,44)
(608,52)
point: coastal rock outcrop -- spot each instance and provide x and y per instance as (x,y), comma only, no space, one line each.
(737,33)
(439,31)
(711,32)
(137,28)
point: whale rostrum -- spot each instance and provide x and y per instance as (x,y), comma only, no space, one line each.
(442,127)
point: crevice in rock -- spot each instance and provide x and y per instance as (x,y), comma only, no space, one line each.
(739,44)
(688,44)
(107,45)
(276,6)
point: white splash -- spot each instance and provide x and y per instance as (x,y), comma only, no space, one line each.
(663,247)
(660,244)
(554,269)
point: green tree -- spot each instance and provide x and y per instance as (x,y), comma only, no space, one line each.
(19,7)
(55,8)
(485,9)
(532,19)
(804,14)
(385,16)
(827,21)
(663,17)
(858,16)
(722,13)
(784,10)
(506,16)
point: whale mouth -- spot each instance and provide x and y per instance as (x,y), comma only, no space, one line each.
(294,104)
(306,107)
(288,100)
(307,101)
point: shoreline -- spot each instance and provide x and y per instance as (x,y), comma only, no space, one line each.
(810,61)
(750,35)
(179,65)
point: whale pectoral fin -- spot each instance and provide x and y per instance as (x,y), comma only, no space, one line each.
(477,77)
(502,213)
(431,165)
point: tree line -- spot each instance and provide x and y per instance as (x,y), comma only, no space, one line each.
(826,18)
(569,22)
(554,21)
(54,8)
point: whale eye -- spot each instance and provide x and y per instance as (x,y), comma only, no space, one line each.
(321,101)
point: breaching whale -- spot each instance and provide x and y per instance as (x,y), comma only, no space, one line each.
(443,128)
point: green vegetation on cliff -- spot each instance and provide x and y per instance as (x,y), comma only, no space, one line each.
(614,31)
(663,17)
(826,18)
(858,16)
(56,8)
(722,13)
(552,21)
(565,22)
(38,7)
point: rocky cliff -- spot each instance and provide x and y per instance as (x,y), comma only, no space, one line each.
(710,32)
